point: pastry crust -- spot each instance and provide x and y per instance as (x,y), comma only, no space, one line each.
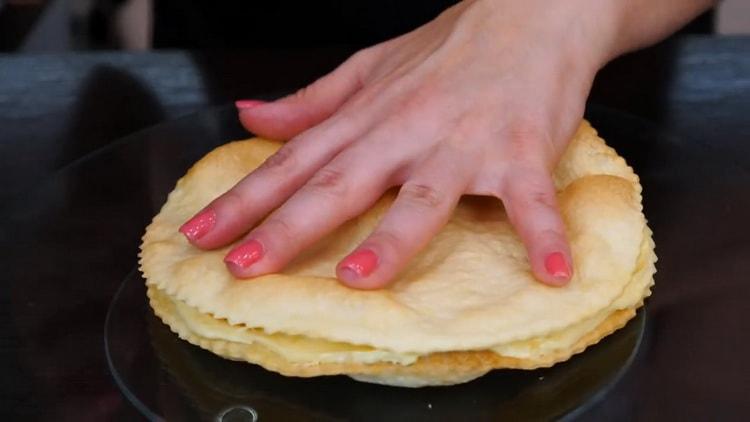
(443,368)
(467,304)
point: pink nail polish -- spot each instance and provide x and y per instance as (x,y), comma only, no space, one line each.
(199,225)
(557,266)
(247,104)
(245,254)
(359,264)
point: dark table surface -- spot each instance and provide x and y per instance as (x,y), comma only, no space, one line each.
(59,279)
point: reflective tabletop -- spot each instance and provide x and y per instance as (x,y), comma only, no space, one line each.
(72,241)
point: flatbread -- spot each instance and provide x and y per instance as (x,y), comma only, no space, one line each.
(465,305)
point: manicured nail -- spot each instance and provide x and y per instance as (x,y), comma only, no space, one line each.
(357,265)
(245,254)
(247,104)
(199,225)
(557,266)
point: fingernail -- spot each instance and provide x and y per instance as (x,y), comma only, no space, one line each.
(247,104)
(557,266)
(245,254)
(357,265)
(199,225)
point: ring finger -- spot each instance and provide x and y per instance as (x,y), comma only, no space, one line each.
(424,204)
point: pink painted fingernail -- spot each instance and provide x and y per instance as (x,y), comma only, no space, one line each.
(247,104)
(199,225)
(245,254)
(357,265)
(557,266)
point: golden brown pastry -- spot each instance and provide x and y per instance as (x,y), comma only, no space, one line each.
(467,304)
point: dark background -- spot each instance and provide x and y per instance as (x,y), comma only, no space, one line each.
(57,108)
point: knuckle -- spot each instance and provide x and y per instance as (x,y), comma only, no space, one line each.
(305,91)
(328,181)
(386,241)
(362,56)
(528,140)
(366,96)
(407,96)
(230,200)
(550,235)
(280,228)
(420,98)
(526,184)
(525,129)
(542,198)
(422,195)
(467,126)
(284,159)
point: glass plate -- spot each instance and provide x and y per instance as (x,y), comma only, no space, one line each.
(167,378)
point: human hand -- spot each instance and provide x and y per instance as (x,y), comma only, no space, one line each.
(480,101)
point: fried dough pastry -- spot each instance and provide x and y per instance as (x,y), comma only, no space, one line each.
(467,304)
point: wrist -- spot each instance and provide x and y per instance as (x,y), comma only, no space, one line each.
(598,33)
(627,25)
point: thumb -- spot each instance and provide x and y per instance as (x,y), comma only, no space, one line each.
(285,118)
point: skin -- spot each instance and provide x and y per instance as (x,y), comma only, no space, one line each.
(481,101)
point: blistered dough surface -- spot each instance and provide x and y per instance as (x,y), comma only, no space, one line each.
(470,290)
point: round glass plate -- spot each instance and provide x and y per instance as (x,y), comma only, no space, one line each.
(167,378)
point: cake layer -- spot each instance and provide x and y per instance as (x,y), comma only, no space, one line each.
(443,368)
(470,289)
(312,351)
(466,304)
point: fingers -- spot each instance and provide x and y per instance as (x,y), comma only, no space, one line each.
(531,203)
(290,116)
(423,206)
(344,188)
(236,211)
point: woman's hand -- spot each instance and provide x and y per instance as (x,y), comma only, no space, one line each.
(480,101)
